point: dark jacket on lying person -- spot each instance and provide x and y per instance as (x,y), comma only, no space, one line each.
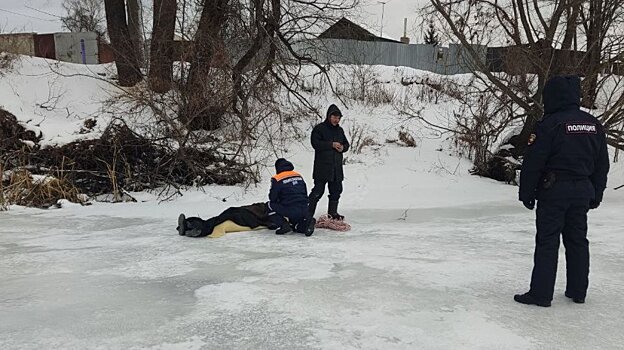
(252,216)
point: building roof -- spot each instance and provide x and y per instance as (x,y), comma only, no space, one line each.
(345,29)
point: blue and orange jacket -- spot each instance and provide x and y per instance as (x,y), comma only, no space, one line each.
(288,187)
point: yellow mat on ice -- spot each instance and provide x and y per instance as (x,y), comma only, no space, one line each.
(230,226)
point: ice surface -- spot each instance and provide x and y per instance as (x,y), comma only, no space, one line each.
(440,278)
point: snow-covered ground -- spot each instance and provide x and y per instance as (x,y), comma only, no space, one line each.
(432,262)
(55,98)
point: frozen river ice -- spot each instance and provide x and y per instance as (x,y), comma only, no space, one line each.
(439,278)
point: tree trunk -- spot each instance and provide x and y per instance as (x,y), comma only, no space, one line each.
(161,48)
(128,68)
(541,54)
(592,58)
(135,29)
(571,25)
(201,108)
(259,38)
(565,65)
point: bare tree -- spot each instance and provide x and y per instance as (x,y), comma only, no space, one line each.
(540,36)
(161,45)
(126,60)
(599,21)
(135,28)
(200,107)
(84,16)
(238,61)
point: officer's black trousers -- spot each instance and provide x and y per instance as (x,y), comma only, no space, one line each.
(569,218)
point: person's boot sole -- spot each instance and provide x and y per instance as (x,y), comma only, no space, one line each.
(181,225)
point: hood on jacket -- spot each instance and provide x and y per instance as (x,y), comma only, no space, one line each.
(561,93)
(282,165)
(332,110)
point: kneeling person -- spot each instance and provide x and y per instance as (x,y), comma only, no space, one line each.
(286,210)
(288,200)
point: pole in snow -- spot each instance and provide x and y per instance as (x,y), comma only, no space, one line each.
(383,5)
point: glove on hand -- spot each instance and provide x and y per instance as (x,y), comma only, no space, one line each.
(529,204)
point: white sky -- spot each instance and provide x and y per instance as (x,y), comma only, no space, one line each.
(42,16)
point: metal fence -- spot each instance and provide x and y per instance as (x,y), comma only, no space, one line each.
(79,47)
(442,60)
(76,47)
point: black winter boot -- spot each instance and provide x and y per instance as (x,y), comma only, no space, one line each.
(181,225)
(332,210)
(310,229)
(575,299)
(311,208)
(280,223)
(528,299)
(284,229)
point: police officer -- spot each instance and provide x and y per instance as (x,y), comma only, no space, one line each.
(329,142)
(565,169)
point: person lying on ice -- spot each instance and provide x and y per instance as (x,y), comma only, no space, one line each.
(286,210)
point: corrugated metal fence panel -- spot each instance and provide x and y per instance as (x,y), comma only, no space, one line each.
(461,61)
(442,60)
(76,47)
(423,57)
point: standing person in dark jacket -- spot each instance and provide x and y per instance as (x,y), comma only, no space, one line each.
(565,169)
(329,143)
(288,200)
